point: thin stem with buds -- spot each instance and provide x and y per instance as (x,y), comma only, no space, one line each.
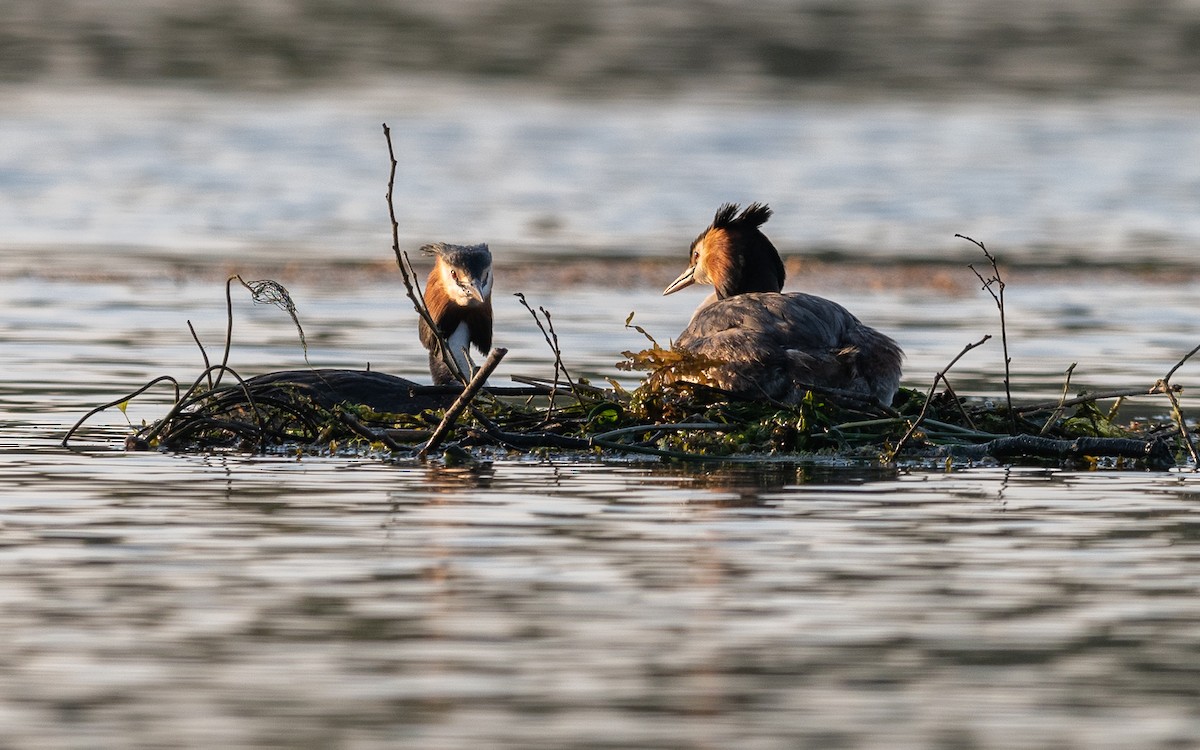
(995,287)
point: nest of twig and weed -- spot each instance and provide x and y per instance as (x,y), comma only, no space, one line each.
(676,413)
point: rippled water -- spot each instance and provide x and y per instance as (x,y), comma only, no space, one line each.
(152,600)
(171,601)
(155,600)
(1114,180)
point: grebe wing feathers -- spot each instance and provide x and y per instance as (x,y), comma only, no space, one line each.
(771,341)
(783,320)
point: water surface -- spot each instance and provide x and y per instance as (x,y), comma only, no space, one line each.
(155,600)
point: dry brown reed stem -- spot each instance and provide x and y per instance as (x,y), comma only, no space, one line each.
(1098,396)
(468,394)
(940,376)
(1177,411)
(995,287)
(551,338)
(407,274)
(1058,410)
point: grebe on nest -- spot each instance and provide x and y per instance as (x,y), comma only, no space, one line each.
(459,297)
(458,294)
(773,344)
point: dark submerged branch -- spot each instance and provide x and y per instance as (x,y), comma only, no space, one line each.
(203,353)
(1155,453)
(116,402)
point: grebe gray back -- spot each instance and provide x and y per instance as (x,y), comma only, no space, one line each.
(771,343)
(458,294)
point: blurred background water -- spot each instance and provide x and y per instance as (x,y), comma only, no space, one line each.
(149,149)
(1052,130)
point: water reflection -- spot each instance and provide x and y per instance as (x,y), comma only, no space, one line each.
(738,484)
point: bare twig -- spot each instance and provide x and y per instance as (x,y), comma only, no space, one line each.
(940,376)
(407,274)
(1059,410)
(1177,411)
(542,382)
(663,428)
(1180,363)
(481,375)
(551,338)
(995,287)
(962,410)
(1098,396)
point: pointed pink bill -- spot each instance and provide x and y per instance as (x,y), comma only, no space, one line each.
(686,279)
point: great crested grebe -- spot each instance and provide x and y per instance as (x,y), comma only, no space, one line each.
(458,294)
(770,343)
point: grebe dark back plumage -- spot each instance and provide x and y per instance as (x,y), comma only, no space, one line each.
(771,343)
(458,294)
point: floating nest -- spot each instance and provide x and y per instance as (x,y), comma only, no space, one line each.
(675,414)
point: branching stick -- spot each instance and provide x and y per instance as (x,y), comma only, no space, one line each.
(1177,411)
(941,376)
(995,287)
(407,273)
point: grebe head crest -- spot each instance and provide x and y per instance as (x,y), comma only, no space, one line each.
(733,255)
